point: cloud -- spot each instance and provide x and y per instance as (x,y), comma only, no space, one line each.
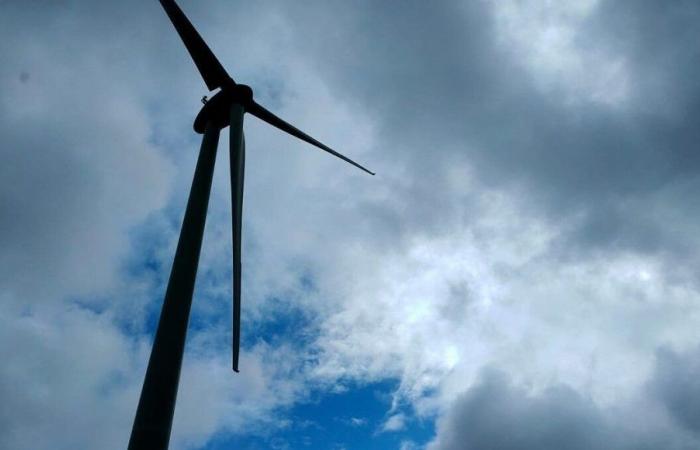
(396,422)
(358,422)
(494,413)
(596,166)
(530,211)
(519,225)
(66,370)
(72,380)
(79,168)
(675,385)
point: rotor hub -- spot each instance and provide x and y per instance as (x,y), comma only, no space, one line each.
(218,109)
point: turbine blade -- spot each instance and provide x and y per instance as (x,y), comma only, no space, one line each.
(209,67)
(265,115)
(237,160)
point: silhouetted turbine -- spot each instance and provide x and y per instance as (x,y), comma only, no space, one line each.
(154,414)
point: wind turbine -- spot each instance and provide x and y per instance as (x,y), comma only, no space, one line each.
(151,429)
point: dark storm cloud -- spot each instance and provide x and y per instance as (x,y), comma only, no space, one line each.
(660,42)
(496,415)
(676,383)
(442,86)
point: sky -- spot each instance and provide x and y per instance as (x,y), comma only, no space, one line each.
(520,274)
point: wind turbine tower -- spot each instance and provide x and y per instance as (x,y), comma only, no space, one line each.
(154,415)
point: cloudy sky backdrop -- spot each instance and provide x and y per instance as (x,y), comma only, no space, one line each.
(521,273)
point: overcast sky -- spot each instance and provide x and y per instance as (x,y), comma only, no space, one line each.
(520,274)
